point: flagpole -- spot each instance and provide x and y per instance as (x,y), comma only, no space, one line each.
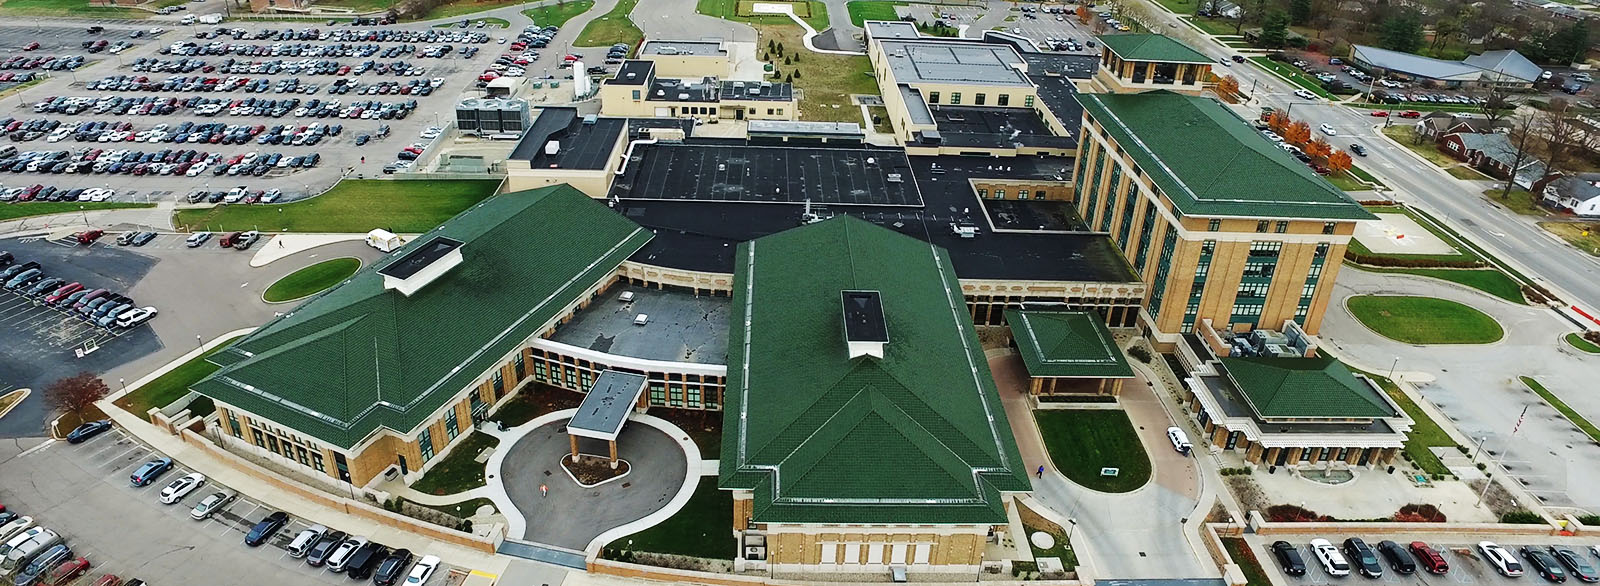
(1489,476)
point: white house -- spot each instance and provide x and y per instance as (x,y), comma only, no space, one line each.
(1579,194)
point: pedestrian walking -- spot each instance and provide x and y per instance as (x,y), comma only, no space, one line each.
(544,490)
(1039,472)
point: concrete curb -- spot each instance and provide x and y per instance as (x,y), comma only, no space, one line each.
(24,396)
(176,362)
(1352,315)
(264,299)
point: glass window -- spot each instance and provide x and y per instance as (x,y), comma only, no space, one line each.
(1281,227)
(658,394)
(425,442)
(1261,226)
(300,454)
(1214,225)
(1027,101)
(1327,227)
(955,98)
(233,425)
(272,443)
(694,396)
(999,194)
(635,94)
(452,426)
(1003,100)
(979,99)
(933,97)
(983,194)
(1022,194)
(317,463)
(260,442)
(521,367)
(1039,194)
(499,383)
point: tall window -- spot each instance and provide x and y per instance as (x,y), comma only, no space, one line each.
(233,425)
(955,98)
(499,384)
(425,443)
(1261,226)
(451,425)
(1145,236)
(1191,311)
(1114,196)
(1327,227)
(521,367)
(1213,225)
(1281,227)
(1003,100)
(933,97)
(658,394)
(1129,210)
(1163,265)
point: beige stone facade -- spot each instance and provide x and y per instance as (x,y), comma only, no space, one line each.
(1117,75)
(794,548)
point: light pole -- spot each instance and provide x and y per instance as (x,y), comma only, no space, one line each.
(1479,449)
(1391,367)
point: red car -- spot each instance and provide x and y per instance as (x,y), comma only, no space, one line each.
(1380,113)
(30,46)
(1430,559)
(108,580)
(68,571)
(89,236)
(63,292)
(1410,114)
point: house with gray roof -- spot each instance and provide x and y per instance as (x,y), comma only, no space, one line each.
(1494,154)
(1579,193)
(1506,67)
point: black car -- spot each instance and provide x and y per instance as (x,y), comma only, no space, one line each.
(1289,558)
(88,430)
(1545,564)
(365,560)
(323,547)
(1361,554)
(1399,559)
(392,568)
(143,238)
(266,528)
(1359,150)
(1577,564)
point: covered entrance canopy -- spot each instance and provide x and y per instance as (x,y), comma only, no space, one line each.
(605,409)
(1068,352)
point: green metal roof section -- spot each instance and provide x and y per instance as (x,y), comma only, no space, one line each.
(1211,162)
(918,436)
(1304,388)
(1148,47)
(360,356)
(1067,344)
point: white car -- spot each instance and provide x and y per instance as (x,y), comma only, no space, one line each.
(423,570)
(1180,440)
(1305,94)
(1332,561)
(1326,129)
(431,132)
(17,525)
(196,170)
(1272,136)
(182,487)
(104,195)
(340,558)
(135,317)
(1502,559)
(211,504)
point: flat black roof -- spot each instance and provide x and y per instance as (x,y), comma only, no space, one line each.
(674,90)
(580,145)
(863,317)
(773,91)
(420,257)
(995,127)
(701,233)
(736,171)
(1058,95)
(640,69)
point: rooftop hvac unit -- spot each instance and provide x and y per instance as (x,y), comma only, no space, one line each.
(683,97)
(738,85)
(641,319)
(766,84)
(667,51)
(722,167)
(590,119)
(552,147)
(894,177)
(632,75)
(661,93)
(625,297)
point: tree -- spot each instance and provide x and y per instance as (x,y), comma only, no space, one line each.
(1339,162)
(1083,14)
(1298,134)
(1300,12)
(1319,149)
(1228,86)
(1570,44)
(1275,30)
(1494,102)
(1279,122)
(1562,134)
(76,392)
(1443,31)
(1401,32)
(1521,132)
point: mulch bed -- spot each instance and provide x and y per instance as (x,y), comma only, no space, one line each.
(592,470)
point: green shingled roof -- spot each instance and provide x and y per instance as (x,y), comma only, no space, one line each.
(1146,47)
(1210,162)
(360,357)
(1304,387)
(1066,344)
(918,436)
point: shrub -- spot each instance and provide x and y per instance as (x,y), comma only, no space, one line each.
(1534,295)
(1390,261)
(1423,513)
(1140,353)
(1522,518)
(1590,520)
(1292,513)
(1592,337)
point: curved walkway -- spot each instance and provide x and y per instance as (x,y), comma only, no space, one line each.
(1138,534)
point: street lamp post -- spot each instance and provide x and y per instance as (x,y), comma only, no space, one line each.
(1391,367)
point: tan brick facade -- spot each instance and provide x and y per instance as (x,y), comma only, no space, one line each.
(870,548)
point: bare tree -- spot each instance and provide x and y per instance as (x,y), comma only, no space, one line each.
(75,393)
(1494,101)
(1521,133)
(1563,134)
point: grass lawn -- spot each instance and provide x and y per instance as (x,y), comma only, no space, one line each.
(1554,401)
(1215,26)
(1239,550)
(1348,182)
(1577,341)
(1288,72)
(1425,433)
(865,10)
(1462,254)
(171,386)
(612,28)
(1424,320)
(1406,135)
(1467,173)
(1420,106)
(34,208)
(1363,175)
(1489,281)
(358,6)
(1519,201)
(1033,522)
(1081,442)
(9,399)
(352,206)
(827,80)
(558,14)
(460,8)
(73,8)
(534,400)
(1585,237)
(815,13)
(703,529)
(312,280)
(1179,6)
(880,119)
(461,510)
(459,471)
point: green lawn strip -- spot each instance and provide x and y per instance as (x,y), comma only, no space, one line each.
(461,510)
(357,6)
(72,8)
(558,14)
(35,208)
(1554,401)
(459,471)
(1213,26)
(1425,432)
(1032,523)
(1290,74)
(612,28)
(828,81)
(1434,225)
(1081,442)
(865,10)
(171,386)
(1467,173)
(817,13)
(703,528)
(1347,182)
(312,279)
(1406,136)
(352,206)
(1364,176)
(1519,201)
(1578,342)
(1239,550)
(1424,320)
(1490,281)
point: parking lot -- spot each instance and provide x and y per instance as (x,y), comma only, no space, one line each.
(1050,30)
(82,492)
(56,39)
(1467,566)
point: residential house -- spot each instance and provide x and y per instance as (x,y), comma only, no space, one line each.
(1494,154)
(1437,124)
(1579,194)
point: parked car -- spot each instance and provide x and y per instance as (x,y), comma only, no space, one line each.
(196,239)
(1332,562)
(341,554)
(1180,440)
(89,236)
(302,543)
(1545,564)
(14,528)
(150,471)
(211,504)
(34,572)
(245,239)
(1430,558)
(365,560)
(1289,558)
(265,529)
(1361,554)
(133,317)
(182,487)
(422,571)
(88,430)
(67,571)
(324,546)
(392,567)
(1577,564)
(1500,558)
(109,580)
(1398,559)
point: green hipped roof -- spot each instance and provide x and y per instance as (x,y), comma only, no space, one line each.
(1304,387)
(1148,47)
(918,436)
(1066,343)
(361,357)
(1210,162)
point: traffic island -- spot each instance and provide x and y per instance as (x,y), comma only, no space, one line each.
(590,471)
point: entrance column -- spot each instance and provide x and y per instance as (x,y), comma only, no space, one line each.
(613,454)
(574,447)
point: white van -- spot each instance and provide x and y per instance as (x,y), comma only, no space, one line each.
(302,543)
(1180,440)
(189,19)
(14,528)
(384,240)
